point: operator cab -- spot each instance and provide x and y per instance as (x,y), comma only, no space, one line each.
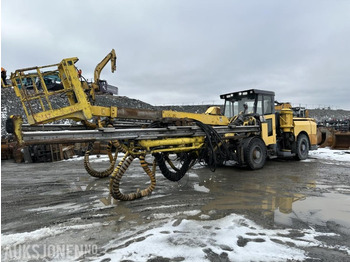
(241,107)
(253,101)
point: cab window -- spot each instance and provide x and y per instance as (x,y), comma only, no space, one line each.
(268,105)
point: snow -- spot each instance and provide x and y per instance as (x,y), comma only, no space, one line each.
(201,188)
(329,154)
(192,240)
(95,158)
(25,237)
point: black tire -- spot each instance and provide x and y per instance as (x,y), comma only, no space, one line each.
(255,153)
(302,147)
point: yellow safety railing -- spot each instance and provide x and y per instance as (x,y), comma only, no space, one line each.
(39,88)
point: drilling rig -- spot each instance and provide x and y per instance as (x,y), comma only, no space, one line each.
(248,132)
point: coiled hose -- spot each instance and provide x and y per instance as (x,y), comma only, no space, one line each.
(112,159)
(114,184)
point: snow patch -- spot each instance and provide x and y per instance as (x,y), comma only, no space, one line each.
(25,237)
(329,154)
(237,238)
(92,158)
(201,188)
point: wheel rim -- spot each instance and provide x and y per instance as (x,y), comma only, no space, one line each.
(257,155)
(303,148)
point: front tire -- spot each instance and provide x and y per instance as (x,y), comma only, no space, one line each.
(255,153)
(302,147)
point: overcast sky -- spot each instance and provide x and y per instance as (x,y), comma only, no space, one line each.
(190,51)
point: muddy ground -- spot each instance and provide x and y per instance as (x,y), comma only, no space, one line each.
(287,211)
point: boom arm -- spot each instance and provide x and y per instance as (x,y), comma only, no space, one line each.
(110,57)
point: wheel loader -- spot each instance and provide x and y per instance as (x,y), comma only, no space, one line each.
(248,131)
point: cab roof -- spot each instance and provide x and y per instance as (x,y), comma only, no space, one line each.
(247,92)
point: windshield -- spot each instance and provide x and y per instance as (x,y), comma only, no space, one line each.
(233,108)
(248,102)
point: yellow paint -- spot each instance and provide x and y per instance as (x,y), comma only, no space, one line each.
(104,111)
(269,140)
(79,107)
(213,110)
(286,120)
(229,135)
(17,123)
(177,149)
(307,125)
(215,120)
(283,106)
(171,141)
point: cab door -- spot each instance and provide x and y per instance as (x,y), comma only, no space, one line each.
(268,129)
(266,110)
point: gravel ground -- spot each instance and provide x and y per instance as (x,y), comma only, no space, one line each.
(287,211)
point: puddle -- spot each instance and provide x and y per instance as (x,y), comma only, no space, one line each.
(271,198)
(329,210)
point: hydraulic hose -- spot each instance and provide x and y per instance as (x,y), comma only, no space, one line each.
(112,159)
(114,185)
(216,149)
(179,172)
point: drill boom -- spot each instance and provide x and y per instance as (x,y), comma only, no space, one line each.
(108,134)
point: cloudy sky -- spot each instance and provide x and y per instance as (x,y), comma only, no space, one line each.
(182,51)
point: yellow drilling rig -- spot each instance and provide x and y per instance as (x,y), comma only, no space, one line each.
(248,131)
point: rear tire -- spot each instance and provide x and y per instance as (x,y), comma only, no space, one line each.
(255,153)
(302,147)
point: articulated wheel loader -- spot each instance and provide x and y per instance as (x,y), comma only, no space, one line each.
(248,132)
